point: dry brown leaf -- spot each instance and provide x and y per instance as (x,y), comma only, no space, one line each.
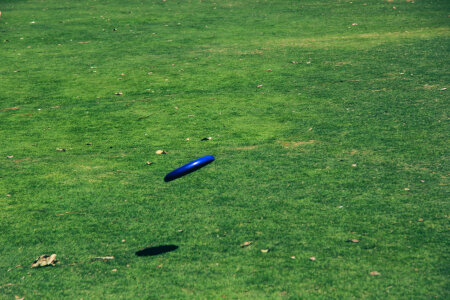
(161,152)
(375,273)
(245,244)
(10,156)
(148,163)
(118,93)
(206,138)
(61,149)
(312,258)
(352,241)
(44,261)
(420,220)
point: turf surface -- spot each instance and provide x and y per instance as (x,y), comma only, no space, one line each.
(328,122)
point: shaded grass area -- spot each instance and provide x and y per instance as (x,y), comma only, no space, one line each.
(323,132)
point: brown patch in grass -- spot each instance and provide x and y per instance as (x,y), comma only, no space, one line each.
(296,144)
(359,41)
(10,108)
(21,160)
(341,63)
(245,148)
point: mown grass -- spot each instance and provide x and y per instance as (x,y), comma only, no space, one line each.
(328,122)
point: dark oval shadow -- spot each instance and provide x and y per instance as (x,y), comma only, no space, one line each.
(151,251)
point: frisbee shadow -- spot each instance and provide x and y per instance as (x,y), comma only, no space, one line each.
(152,251)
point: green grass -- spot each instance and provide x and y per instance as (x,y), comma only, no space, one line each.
(345,139)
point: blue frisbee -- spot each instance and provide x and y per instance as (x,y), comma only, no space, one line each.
(189,167)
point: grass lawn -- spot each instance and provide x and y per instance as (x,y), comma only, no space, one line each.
(328,122)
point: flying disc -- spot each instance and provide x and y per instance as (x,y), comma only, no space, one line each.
(189,167)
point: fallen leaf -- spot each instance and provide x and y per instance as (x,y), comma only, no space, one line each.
(443,89)
(420,220)
(353,165)
(406,189)
(180,230)
(354,24)
(265,250)
(259,85)
(114,270)
(103,258)
(118,93)
(188,139)
(375,273)
(18,298)
(269,70)
(206,138)
(245,244)
(10,156)
(352,241)
(292,257)
(312,258)
(161,152)
(61,149)
(159,266)
(44,261)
